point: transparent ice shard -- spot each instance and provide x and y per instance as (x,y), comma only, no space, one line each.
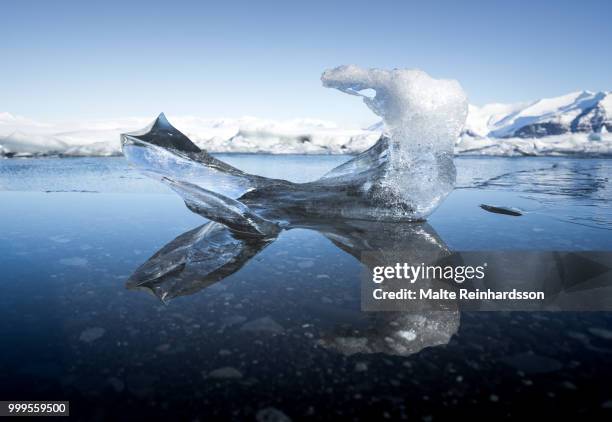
(403,177)
(161,151)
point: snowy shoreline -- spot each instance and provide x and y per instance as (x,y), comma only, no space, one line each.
(570,145)
(578,124)
(489,150)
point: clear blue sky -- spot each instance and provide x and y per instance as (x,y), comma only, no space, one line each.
(86,59)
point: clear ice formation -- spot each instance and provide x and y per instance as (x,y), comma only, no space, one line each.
(403,177)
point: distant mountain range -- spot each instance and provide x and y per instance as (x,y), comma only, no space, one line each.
(579,123)
(578,112)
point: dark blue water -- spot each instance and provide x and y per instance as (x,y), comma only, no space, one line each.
(257,343)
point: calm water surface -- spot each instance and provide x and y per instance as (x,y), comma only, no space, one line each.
(283,335)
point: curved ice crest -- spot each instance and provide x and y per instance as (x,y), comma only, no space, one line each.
(423,117)
(403,177)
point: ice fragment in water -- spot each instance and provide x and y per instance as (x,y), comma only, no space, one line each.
(515,212)
(403,177)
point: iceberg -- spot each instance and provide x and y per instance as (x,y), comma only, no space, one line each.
(404,176)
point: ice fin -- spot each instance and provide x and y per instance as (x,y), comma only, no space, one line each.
(160,150)
(162,134)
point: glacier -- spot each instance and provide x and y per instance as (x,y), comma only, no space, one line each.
(403,177)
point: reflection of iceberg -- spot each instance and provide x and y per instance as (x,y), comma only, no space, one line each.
(394,333)
(203,256)
(403,177)
(195,260)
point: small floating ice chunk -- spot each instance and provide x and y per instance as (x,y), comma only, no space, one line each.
(271,414)
(59,239)
(407,334)
(226,373)
(515,212)
(74,261)
(265,324)
(601,333)
(92,334)
(305,264)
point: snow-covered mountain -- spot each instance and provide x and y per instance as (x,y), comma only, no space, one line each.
(579,123)
(578,112)
(576,123)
